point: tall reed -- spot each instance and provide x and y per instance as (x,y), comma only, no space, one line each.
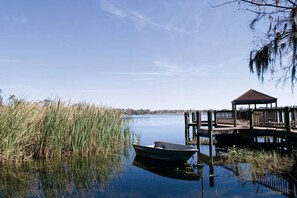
(57,129)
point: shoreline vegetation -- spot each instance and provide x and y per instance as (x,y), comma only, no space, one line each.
(130,111)
(148,111)
(55,130)
(261,162)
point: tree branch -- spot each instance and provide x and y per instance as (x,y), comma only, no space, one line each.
(222,4)
(265,4)
(293,3)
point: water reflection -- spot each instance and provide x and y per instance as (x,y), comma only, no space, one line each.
(167,169)
(76,177)
(280,183)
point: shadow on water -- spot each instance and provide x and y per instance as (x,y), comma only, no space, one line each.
(167,169)
(69,178)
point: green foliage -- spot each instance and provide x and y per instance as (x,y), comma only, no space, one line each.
(32,130)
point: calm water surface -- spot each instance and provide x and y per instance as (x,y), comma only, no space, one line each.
(121,176)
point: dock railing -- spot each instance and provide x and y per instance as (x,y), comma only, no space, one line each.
(276,118)
(269,118)
(224,117)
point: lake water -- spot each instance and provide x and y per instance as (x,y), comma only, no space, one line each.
(123,176)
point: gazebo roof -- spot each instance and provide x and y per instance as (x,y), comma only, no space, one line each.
(253,97)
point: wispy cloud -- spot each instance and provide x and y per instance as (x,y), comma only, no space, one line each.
(181,72)
(145,20)
(140,19)
(109,7)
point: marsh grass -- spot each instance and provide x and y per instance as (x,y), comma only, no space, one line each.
(34,130)
(260,162)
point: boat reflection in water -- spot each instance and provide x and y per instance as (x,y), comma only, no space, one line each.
(167,169)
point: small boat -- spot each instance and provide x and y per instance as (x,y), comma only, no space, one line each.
(166,151)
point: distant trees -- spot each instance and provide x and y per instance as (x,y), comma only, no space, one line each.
(276,50)
(147,111)
(136,112)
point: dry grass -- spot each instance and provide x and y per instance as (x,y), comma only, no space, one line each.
(260,161)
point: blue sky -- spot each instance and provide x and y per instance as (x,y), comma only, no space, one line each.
(157,54)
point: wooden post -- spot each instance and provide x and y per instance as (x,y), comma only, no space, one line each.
(276,115)
(193,117)
(210,136)
(293,116)
(186,126)
(288,128)
(193,127)
(215,118)
(287,119)
(198,125)
(209,121)
(234,114)
(211,175)
(251,115)
(198,119)
(251,119)
(280,116)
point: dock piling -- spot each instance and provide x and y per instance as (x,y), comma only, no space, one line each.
(210,135)
(198,125)
(288,128)
(187,119)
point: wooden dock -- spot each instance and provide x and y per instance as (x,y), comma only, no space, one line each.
(278,123)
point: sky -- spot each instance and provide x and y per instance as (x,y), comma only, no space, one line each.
(157,54)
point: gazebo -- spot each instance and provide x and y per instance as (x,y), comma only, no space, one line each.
(253,97)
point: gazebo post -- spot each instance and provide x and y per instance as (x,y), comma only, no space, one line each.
(234,113)
(276,114)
